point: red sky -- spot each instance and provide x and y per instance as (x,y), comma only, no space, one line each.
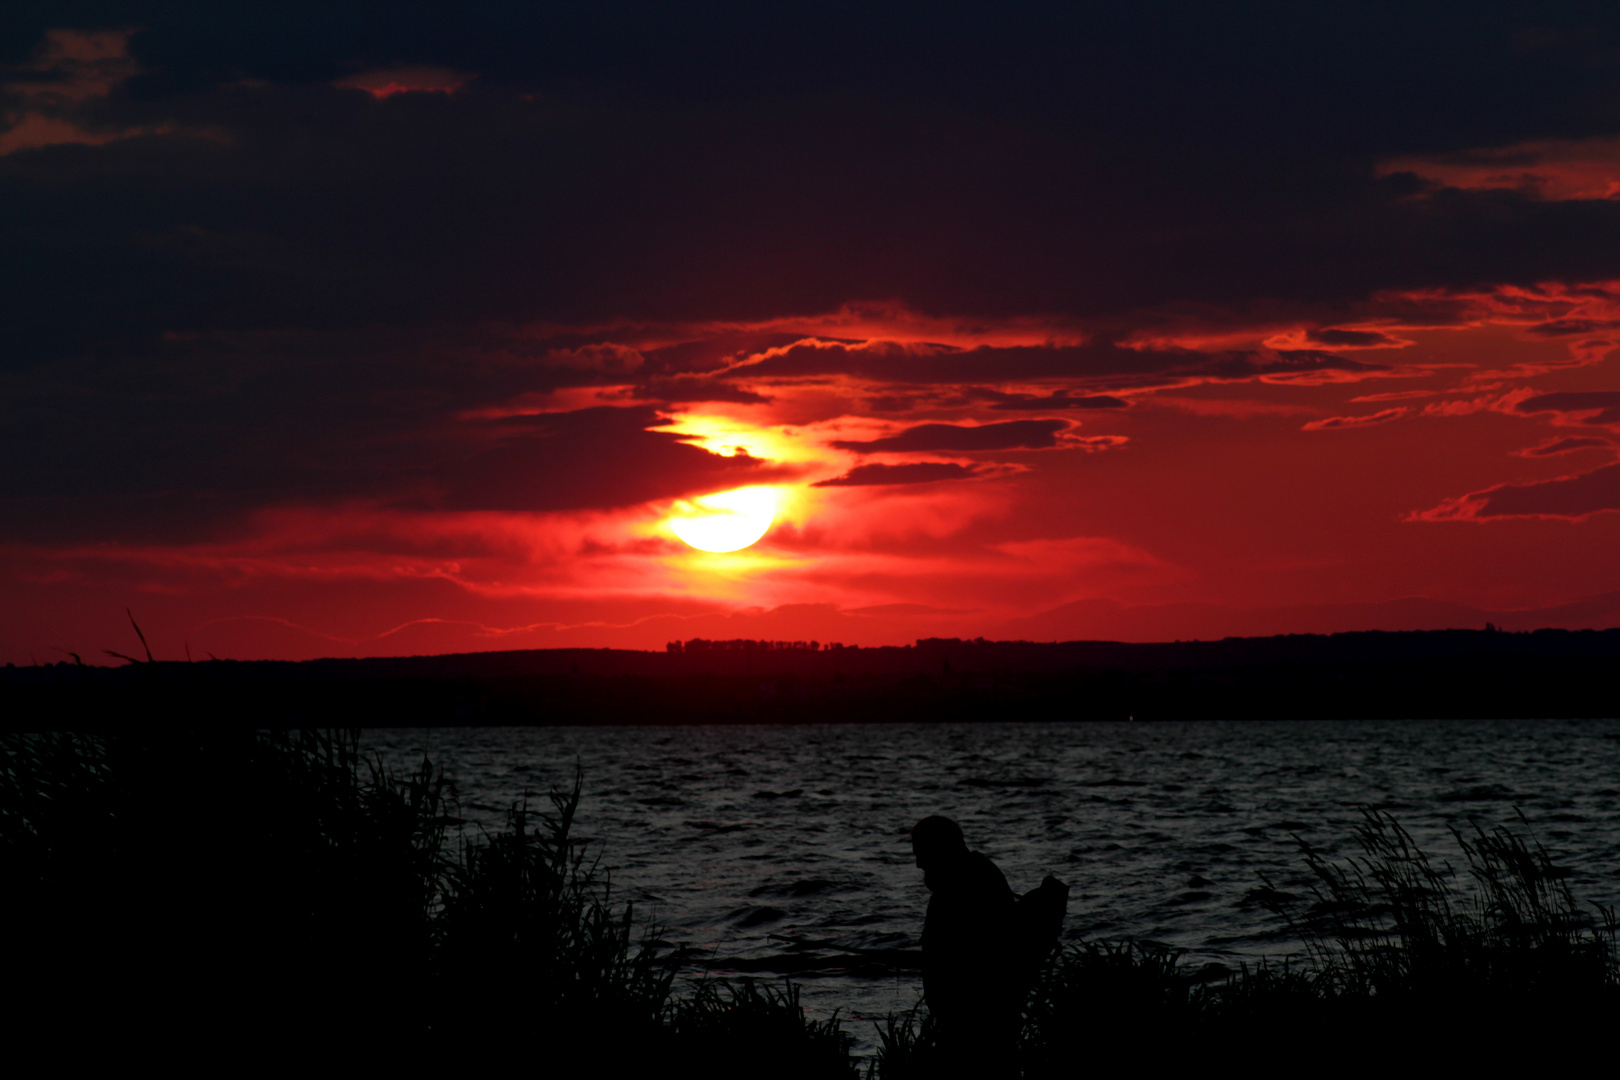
(351,409)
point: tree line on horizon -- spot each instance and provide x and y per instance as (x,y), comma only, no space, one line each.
(704,645)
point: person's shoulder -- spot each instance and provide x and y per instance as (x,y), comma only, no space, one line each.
(983,864)
(987,875)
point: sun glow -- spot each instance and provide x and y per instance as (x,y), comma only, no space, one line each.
(726,436)
(728,521)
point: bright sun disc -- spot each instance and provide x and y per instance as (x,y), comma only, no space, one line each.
(729,521)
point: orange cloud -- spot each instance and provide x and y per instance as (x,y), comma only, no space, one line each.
(68,70)
(1566,498)
(387,82)
(1334,423)
(550,522)
(1567,445)
(1551,169)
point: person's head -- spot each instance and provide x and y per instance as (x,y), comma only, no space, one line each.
(937,840)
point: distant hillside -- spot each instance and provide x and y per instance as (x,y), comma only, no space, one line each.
(1157,622)
(1443,673)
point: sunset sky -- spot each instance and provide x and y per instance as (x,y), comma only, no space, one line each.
(337,329)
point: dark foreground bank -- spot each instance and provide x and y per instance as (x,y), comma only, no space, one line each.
(275,895)
(328,909)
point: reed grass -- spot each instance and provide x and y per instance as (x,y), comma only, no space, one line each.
(1390,924)
(1407,962)
(282,892)
(280,889)
(748,1028)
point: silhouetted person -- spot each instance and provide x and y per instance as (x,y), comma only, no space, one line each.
(972,978)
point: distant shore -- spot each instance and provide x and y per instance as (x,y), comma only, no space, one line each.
(1442,674)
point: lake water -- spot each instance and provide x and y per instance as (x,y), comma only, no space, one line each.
(728,835)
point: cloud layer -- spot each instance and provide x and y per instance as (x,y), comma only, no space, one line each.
(323,319)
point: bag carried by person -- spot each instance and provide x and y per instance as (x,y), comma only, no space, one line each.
(1037,922)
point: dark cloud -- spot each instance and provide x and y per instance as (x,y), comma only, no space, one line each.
(1445,84)
(1335,423)
(247,284)
(890,403)
(1570,327)
(1564,446)
(711,350)
(591,459)
(1059,399)
(1334,337)
(1572,497)
(688,388)
(1011,435)
(927,472)
(1604,405)
(181,436)
(636,163)
(1104,362)
(1283,363)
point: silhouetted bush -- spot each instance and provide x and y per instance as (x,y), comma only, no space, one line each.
(284,895)
(1388,924)
(1405,961)
(281,894)
(746,1029)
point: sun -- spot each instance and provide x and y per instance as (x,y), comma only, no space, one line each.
(728,521)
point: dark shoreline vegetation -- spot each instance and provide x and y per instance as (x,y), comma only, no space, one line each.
(1461,674)
(278,892)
